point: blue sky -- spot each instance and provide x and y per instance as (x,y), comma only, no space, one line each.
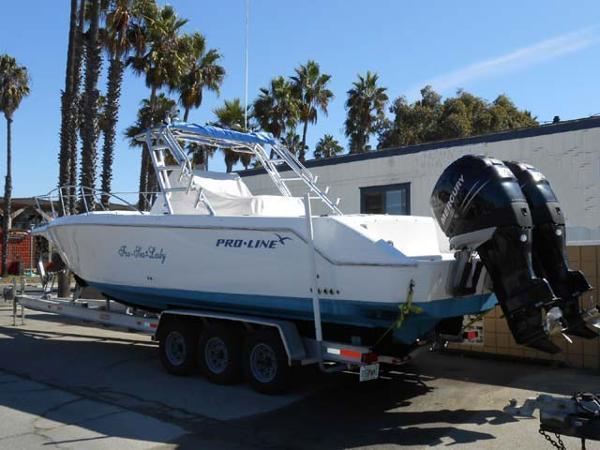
(543,54)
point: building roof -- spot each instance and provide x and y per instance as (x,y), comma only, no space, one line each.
(24,202)
(542,130)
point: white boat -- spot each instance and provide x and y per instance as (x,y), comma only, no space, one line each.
(207,242)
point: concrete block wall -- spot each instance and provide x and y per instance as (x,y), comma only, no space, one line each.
(582,353)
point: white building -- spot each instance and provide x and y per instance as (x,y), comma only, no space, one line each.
(400,180)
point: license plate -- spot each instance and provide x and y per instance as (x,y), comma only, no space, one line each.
(370,372)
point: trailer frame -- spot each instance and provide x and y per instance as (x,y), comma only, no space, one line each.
(300,350)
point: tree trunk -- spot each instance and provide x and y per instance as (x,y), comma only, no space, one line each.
(113,93)
(67,105)
(90,106)
(142,203)
(303,146)
(145,165)
(73,126)
(64,284)
(67,112)
(64,163)
(6,222)
(186,114)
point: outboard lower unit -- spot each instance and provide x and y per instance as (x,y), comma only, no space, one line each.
(550,249)
(479,205)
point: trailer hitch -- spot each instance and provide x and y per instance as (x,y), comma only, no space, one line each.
(592,317)
(577,416)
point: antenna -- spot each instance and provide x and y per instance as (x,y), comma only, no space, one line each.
(246,68)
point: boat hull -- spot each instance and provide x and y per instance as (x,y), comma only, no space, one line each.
(361,314)
(258,266)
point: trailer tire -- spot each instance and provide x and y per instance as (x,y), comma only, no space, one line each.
(266,363)
(220,354)
(178,341)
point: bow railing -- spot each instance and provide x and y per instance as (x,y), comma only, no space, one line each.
(69,200)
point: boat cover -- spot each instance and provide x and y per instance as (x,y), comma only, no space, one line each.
(228,196)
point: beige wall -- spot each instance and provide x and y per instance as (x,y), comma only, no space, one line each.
(570,160)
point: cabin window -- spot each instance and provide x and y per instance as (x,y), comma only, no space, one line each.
(389,199)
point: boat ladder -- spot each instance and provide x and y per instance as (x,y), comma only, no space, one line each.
(301,173)
(157,143)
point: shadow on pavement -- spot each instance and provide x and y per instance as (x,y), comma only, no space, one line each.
(348,414)
(533,376)
(324,412)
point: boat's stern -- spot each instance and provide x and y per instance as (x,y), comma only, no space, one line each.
(511,218)
(442,319)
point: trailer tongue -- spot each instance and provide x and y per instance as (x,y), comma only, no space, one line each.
(510,216)
(578,416)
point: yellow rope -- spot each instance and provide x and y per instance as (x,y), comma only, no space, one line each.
(405,309)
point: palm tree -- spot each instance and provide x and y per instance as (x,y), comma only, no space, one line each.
(276,108)
(365,104)
(159,60)
(200,154)
(310,87)
(292,141)
(67,102)
(89,127)
(246,159)
(152,112)
(231,115)
(161,63)
(327,147)
(70,103)
(122,33)
(14,86)
(74,123)
(67,158)
(201,71)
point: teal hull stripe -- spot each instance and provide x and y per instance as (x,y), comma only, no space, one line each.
(345,312)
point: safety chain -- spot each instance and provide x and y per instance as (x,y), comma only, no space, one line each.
(559,444)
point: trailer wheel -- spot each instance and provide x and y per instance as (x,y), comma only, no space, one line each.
(220,354)
(266,363)
(177,347)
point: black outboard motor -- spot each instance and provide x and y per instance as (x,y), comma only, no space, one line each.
(479,205)
(549,247)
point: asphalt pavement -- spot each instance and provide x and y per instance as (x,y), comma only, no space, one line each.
(67,385)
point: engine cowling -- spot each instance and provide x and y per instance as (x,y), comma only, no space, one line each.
(480,207)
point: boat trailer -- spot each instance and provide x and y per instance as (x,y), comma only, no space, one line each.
(299,350)
(176,329)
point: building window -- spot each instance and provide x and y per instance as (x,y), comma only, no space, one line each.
(389,199)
